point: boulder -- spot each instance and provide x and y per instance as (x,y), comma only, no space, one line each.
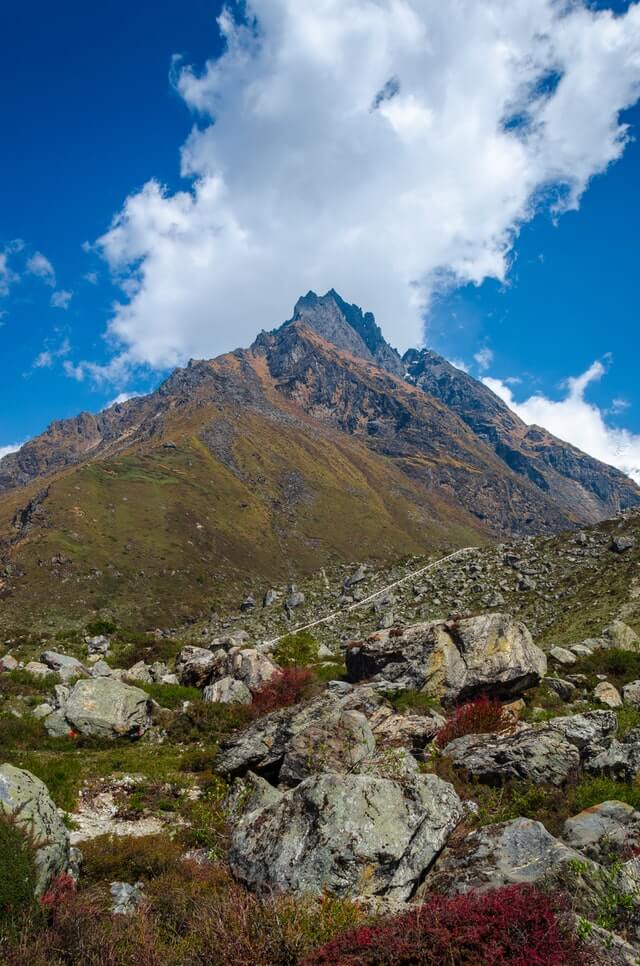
(540,755)
(452,660)
(620,761)
(8,663)
(356,577)
(622,544)
(98,644)
(562,656)
(27,798)
(519,851)
(564,689)
(64,665)
(602,829)
(346,835)
(620,635)
(338,742)
(263,745)
(631,694)
(227,691)
(38,669)
(249,666)
(106,708)
(607,693)
(196,665)
(591,732)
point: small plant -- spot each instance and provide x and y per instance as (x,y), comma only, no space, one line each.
(286,687)
(118,857)
(296,650)
(17,872)
(512,926)
(483,715)
(100,628)
(59,891)
(593,791)
(169,695)
(414,702)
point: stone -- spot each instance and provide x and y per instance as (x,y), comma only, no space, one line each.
(249,666)
(607,693)
(346,835)
(620,761)
(621,636)
(98,645)
(140,672)
(590,733)
(631,694)
(126,897)
(248,604)
(227,690)
(564,689)
(270,598)
(38,669)
(336,743)
(27,798)
(581,650)
(452,660)
(622,544)
(43,710)
(519,851)
(8,663)
(562,656)
(540,755)
(107,708)
(603,829)
(63,663)
(262,746)
(412,731)
(195,665)
(356,577)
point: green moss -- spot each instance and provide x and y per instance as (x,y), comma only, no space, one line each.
(414,702)
(17,874)
(296,650)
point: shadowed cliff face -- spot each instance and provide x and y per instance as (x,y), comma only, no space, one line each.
(317,444)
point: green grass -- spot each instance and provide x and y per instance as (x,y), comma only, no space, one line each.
(296,650)
(170,695)
(17,873)
(414,702)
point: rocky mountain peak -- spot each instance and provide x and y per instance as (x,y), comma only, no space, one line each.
(347,327)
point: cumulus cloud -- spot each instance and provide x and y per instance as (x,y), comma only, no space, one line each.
(61,299)
(49,355)
(383,147)
(484,358)
(40,266)
(576,420)
(8,276)
(121,398)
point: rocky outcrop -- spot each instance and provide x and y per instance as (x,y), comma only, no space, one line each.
(26,798)
(603,830)
(346,835)
(539,755)
(452,660)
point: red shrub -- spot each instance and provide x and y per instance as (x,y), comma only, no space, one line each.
(288,686)
(59,891)
(481,716)
(513,926)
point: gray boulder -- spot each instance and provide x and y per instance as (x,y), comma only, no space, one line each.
(620,761)
(38,669)
(98,645)
(227,691)
(195,665)
(338,742)
(631,694)
(591,732)
(27,798)
(541,755)
(452,660)
(346,835)
(621,636)
(64,665)
(602,829)
(519,851)
(562,656)
(106,708)
(249,666)
(607,693)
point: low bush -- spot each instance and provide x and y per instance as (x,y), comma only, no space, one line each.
(296,650)
(619,666)
(516,925)
(414,702)
(17,872)
(169,695)
(594,791)
(123,858)
(203,721)
(483,715)
(285,688)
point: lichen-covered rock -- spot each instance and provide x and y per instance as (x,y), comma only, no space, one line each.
(540,755)
(346,835)
(621,636)
(249,666)
(620,761)
(227,691)
(63,664)
(263,745)
(602,829)
(27,798)
(607,693)
(338,742)
(591,732)
(519,851)
(452,660)
(631,694)
(105,708)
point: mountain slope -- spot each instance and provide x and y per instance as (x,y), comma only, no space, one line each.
(306,450)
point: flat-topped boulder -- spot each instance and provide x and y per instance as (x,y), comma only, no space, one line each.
(452,660)
(103,708)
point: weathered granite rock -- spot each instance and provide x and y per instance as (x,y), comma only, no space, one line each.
(620,761)
(591,732)
(337,743)
(63,664)
(519,851)
(562,656)
(8,663)
(452,660)
(621,636)
(27,798)
(631,694)
(106,708)
(227,691)
(249,666)
(346,835)
(602,829)
(607,693)
(541,755)
(39,669)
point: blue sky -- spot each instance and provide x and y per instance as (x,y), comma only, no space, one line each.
(303,172)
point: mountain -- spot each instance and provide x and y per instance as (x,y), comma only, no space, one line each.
(310,448)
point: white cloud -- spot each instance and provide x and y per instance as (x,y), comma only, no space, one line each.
(11,448)
(61,299)
(40,266)
(46,358)
(91,278)
(8,276)
(460,364)
(577,421)
(362,144)
(484,358)
(121,398)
